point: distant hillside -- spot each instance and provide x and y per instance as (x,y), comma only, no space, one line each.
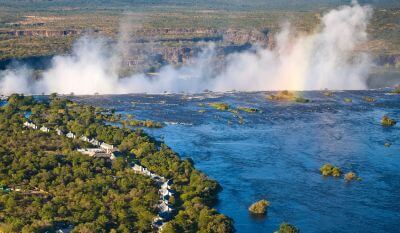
(149,5)
(36,28)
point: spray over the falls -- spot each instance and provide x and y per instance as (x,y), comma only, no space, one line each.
(326,58)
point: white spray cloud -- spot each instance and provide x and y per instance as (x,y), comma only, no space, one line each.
(323,59)
(88,70)
(15,81)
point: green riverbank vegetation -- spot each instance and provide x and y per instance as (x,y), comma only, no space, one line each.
(52,186)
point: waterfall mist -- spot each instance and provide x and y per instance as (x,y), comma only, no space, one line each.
(325,58)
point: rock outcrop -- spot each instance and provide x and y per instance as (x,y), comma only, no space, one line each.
(40,33)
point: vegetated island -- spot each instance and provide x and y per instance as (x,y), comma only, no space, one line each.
(247,109)
(347,100)
(259,207)
(129,121)
(330,170)
(287,228)
(387,121)
(47,184)
(396,90)
(219,106)
(287,96)
(368,99)
(235,111)
(328,93)
(351,176)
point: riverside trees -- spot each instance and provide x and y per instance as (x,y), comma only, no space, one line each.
(59,186)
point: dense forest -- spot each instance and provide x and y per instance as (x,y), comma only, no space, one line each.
(45,184)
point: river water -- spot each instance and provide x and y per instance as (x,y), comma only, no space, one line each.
(277,152)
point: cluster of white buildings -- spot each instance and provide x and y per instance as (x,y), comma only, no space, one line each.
(44,129)
(165,191)
(30,125)
(33,126)
(97,153)
(102,150)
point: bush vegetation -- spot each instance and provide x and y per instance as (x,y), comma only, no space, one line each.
(288,96)
(220,106)
(328,93)
(259,207)
(301,100)
(386,121)
(247,109)
(287,228)
(396,90)
(347,100)
(350,176)
(330,170)
(368,99)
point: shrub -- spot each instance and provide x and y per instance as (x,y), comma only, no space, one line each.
(259,207)
(386,121)
(326,170)
(336,172)
(397,90)
(287,228)
(347,100)
(368,99)
(247,109)
(287,96)
(301,100)
(329,170)
(350,176)
(219,106)
(328,93)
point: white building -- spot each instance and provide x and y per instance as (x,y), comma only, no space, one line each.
(30,125)
(97,153)
(59,132)
(44,129)
(94,142)
(166,193)
(142,170)
(90,151)
(167,184)
(70,135)
(84,138)
(107,147)
(165,208)
(137,168)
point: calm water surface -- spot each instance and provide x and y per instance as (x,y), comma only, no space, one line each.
(276,154)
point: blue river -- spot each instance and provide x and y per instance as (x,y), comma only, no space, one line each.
(276,153)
